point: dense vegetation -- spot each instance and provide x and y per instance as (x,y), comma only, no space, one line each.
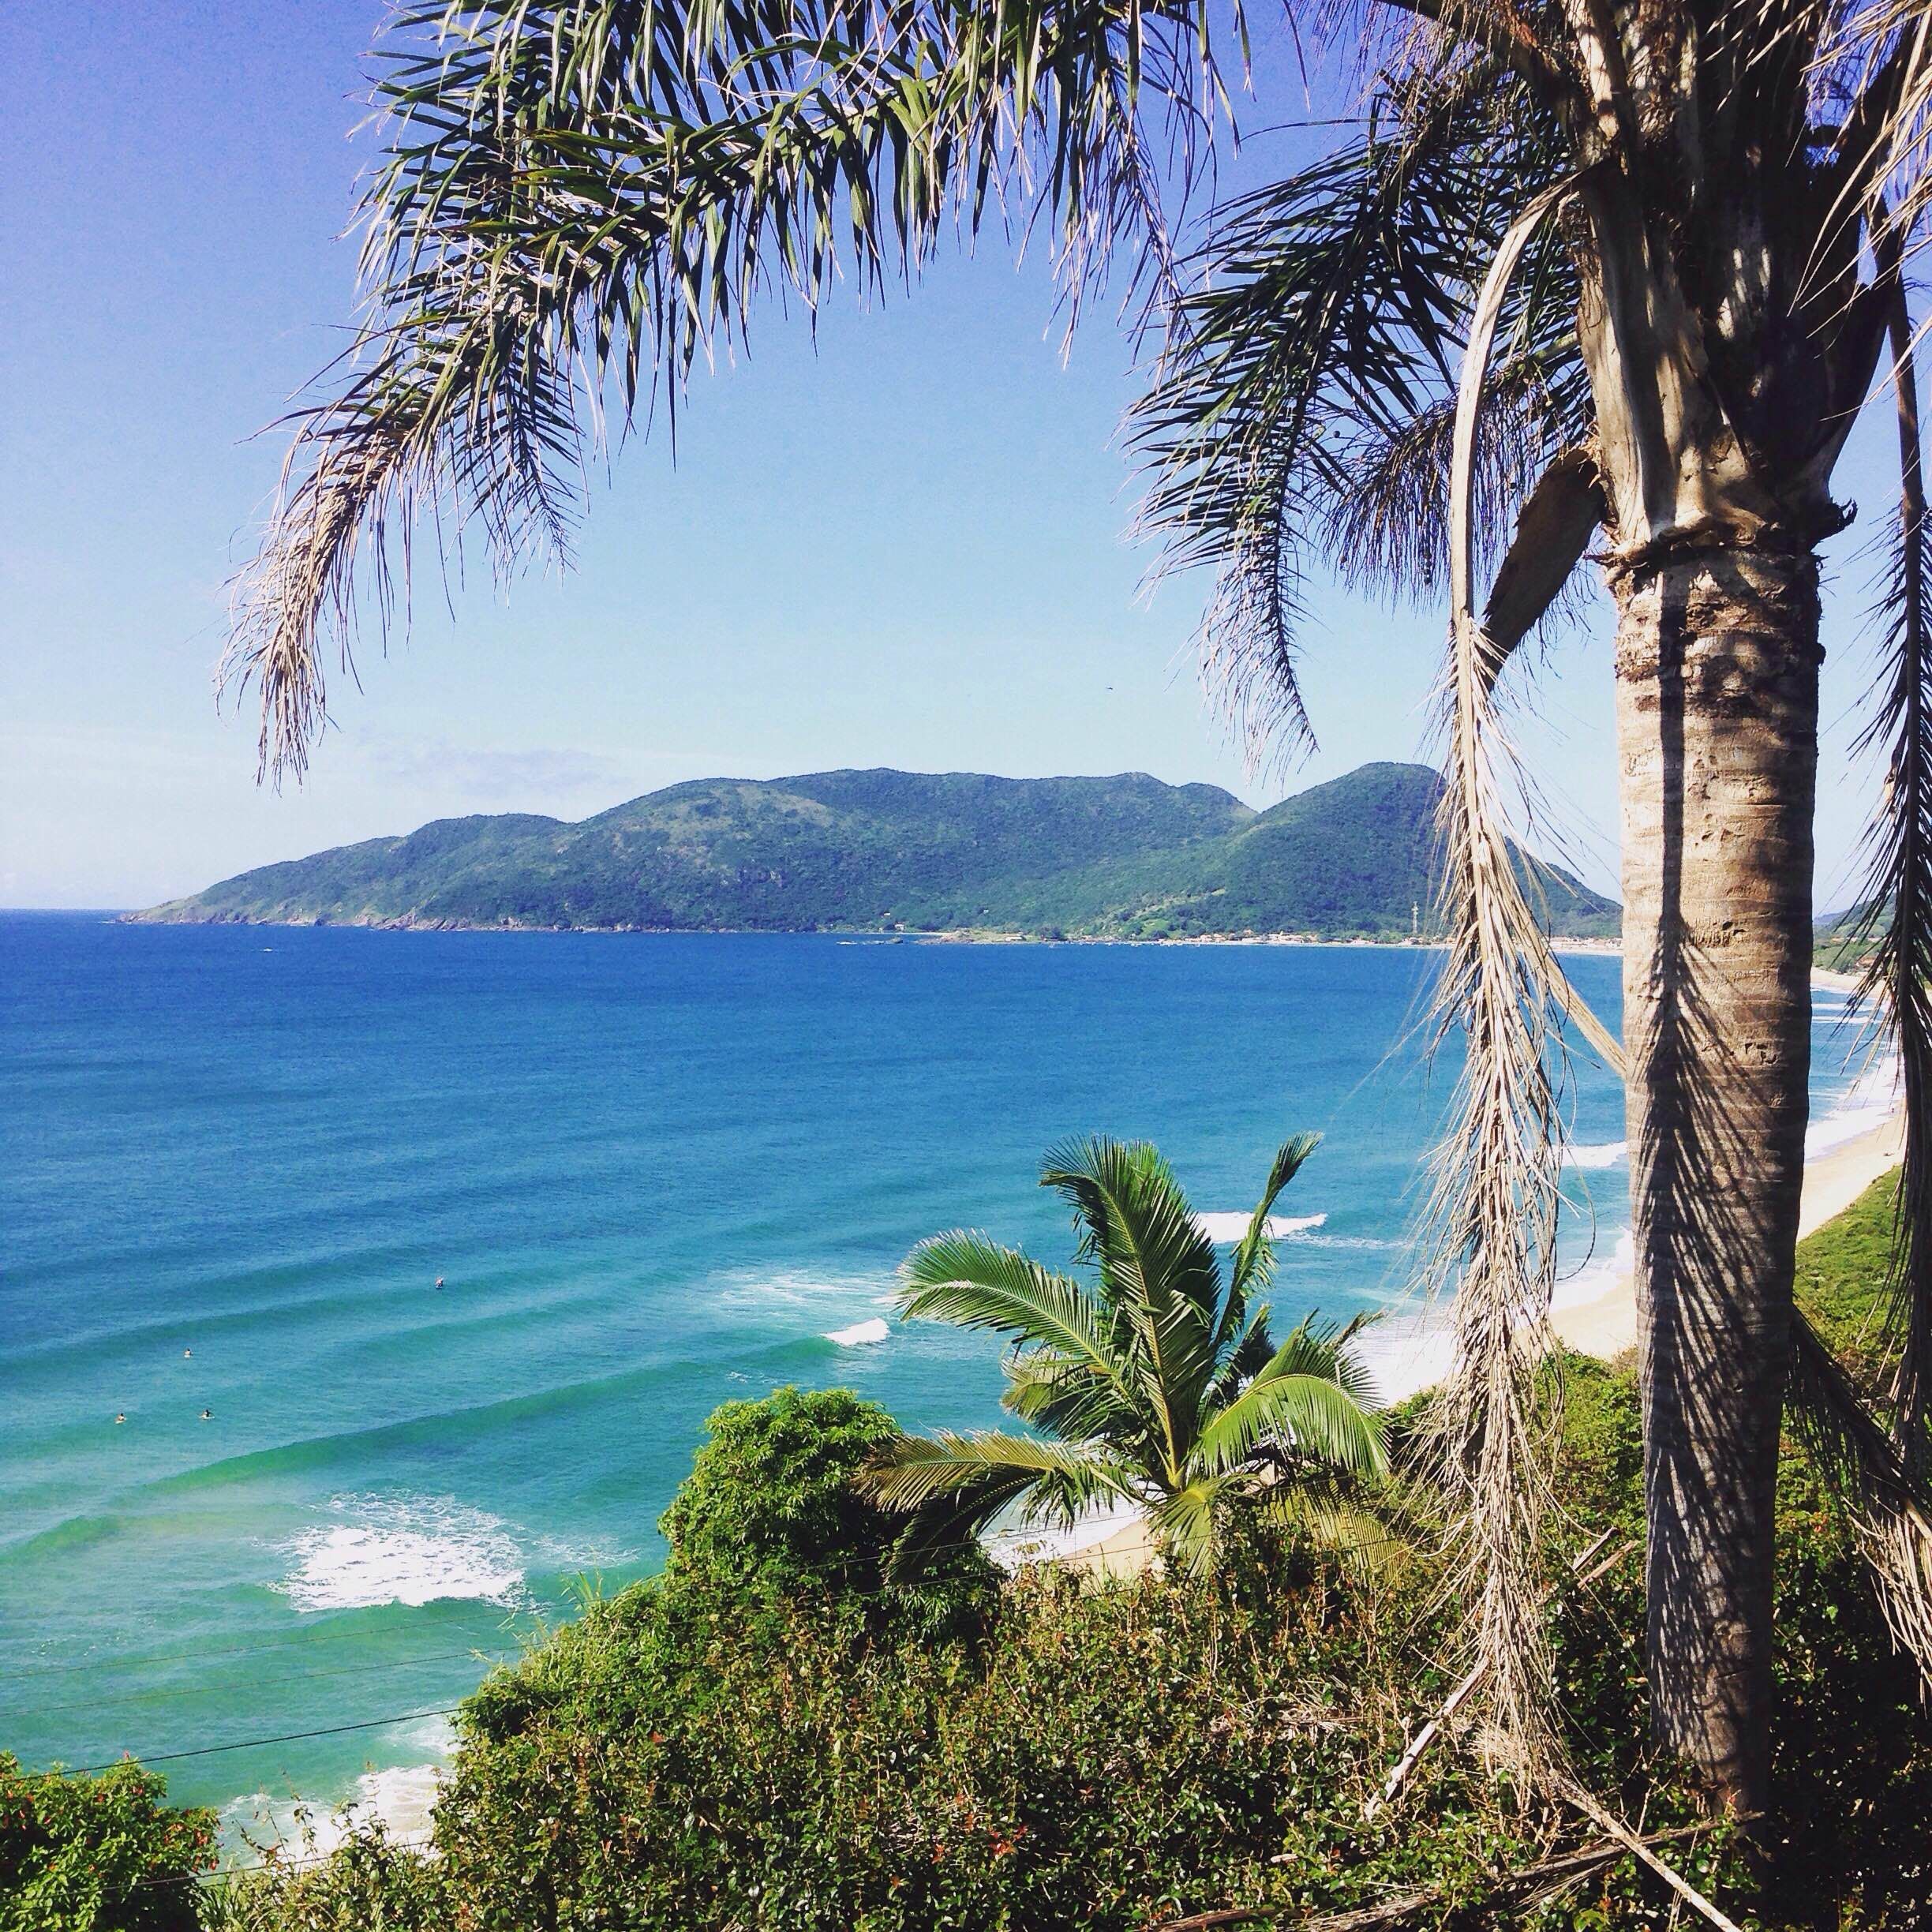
(869,850)
(99,1855)
(771,1736)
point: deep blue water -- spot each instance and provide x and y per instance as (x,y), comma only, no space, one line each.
(653,1173)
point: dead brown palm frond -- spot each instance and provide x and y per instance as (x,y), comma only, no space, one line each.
(1495,1189)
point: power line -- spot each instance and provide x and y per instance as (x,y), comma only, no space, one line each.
(287,1737)
(344,1670)
(201,1656)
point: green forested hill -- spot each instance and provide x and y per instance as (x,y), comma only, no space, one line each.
(860,851)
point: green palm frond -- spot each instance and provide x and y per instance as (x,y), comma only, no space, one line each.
(1157,1266)
(952,1487)
(1308,1413)
(1061,1395)
(966,1279)
(1253,1267)
(917,1468)
(582,199)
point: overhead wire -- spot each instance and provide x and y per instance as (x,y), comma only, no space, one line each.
(130,1662)
(341,1670)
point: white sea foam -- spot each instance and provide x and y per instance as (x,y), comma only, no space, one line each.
(403,1550)
(1404,1353)
(1598,1154)
(1225,1229)
(1597,1276)
(401,1798)
(1869,1102)
(859,1334)
(796,1287)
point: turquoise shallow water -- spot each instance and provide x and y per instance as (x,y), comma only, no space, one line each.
(653,1173)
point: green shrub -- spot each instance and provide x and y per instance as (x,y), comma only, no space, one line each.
(769,1510)
(766,1738)
(366,1885)
(97,1853)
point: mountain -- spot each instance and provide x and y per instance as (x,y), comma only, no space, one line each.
(1126,857)
(1844,942)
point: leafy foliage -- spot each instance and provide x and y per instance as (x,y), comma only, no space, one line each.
(771,1511)
(1110,1755)
(99,1854)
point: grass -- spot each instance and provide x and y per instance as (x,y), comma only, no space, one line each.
(1841,1282)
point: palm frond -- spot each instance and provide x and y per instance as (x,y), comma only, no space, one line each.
(952,1487)
(1253,1266)
(1327,310)
(1495,1194)
(1307,1415)
(1895,984)
(581,199)
(1390,532)
(1158,1269)
(966,1279)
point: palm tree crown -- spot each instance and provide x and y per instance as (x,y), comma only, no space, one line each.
(1154,1381)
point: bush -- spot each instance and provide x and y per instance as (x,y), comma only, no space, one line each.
(367,1885)
(98,1854)
(769,1510)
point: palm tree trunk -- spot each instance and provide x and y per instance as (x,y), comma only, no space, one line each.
(1717,672)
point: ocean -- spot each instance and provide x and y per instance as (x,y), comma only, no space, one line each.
(459,1238)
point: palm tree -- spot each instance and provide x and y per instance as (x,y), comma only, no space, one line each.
(1577,275)
(1156,1384)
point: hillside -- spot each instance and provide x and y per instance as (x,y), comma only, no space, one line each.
(1125,857)
(1844,942)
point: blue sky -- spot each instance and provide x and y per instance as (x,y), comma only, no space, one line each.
(905,543)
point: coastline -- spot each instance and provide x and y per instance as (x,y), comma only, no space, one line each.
(1416,1349)
(1595,944)
(1605,1324)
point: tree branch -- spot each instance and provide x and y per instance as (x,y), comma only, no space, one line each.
(1523,1887)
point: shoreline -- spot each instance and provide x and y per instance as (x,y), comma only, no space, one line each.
(1593,944)
(1605,1324)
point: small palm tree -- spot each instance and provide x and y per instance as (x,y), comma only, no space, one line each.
(1154,1382)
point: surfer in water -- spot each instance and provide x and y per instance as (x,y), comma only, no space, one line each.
(207,1415)
(122,1417)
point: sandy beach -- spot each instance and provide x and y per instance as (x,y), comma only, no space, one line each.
(1606,1325)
